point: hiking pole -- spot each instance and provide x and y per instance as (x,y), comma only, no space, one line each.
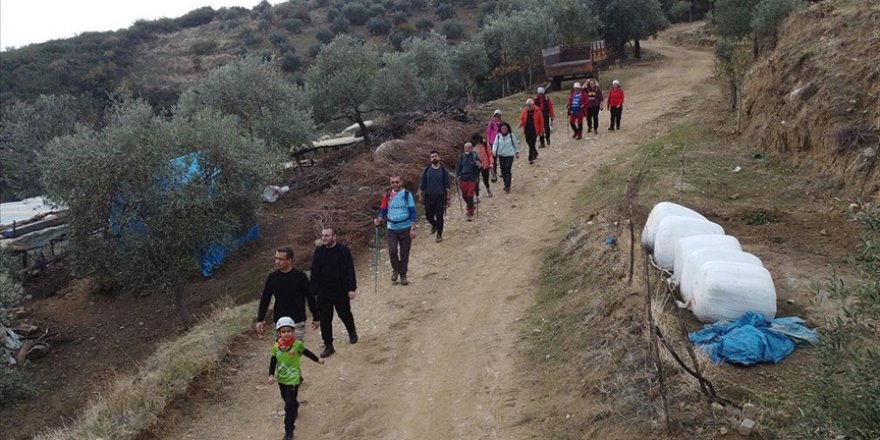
(376,262)
(458,191)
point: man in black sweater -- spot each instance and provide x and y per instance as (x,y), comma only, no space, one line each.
(335,285)
(434,192)
(292,291)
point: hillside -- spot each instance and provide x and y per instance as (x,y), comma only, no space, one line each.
(159,59)
(815,100)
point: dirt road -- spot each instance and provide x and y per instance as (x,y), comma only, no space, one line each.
(440,359)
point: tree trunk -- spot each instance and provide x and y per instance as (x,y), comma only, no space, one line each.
(622,50)
(738,109)
(185,316)
(637,49)
(733,93)
(359,119)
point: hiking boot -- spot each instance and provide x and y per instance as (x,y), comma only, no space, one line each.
(438,240)
(507,190)
(353,338)
(531,162)
(433,229)
(548,142)
(470,217)
(403,280)
(477,199)
(394,278)
(610,128)
(328,351)
(490,192)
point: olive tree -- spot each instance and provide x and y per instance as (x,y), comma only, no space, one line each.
(576,20)
(145,194)
(266,105)
(768,16)
(515,40)
(341,82)
(470,61)
(630,20)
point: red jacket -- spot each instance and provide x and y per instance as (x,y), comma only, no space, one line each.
(486,158)
(615,97)
(537,117)
(544,103)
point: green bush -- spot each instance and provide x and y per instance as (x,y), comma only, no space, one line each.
(680,11)
(377,10)
(290,62)
(196,17)
(293,25)
(15,385)
(845,399)
(325,36)
(424,24)
(204,47)
(769,15)
(453,29)
(278,39)
(250,37)
(378,26)
(264,25)
(445,12)
(339,25)
(356,13)
(315,49)
(11,291)
(399,18)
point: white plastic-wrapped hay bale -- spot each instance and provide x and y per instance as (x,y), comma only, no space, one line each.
(688,245)
(694,262)
(674,228)
(725,291)
(660,212)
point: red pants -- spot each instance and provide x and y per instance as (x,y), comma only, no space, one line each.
(468,189)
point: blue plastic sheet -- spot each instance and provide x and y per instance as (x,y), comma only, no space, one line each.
(214,253)
(752,339)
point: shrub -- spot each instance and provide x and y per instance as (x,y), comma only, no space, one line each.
(333,13)
(315,49)
(445,12)
(290,62)
(15,385)
(424,24)
(196,17)
(399,17)
(250,37)
(303,14)
(844,401)
(339,25)
(293,25)
(769,15)
(11,291)
(377,10)
(356,13)
(264,25)
(204,47)
(418,5)
(402,6)
(378,26)
(325,36)
(278,39)
(453,29)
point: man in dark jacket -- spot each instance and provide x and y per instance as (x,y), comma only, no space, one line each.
(335,285)
(434,191)
(467,170)
(292,291)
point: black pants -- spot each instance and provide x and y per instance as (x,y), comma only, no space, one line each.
(399,242)
(435,207)
(531,138)
(291,407)
(592,119)
(327,302)
(545,138)
(485,174)
(506,166)
(616,113)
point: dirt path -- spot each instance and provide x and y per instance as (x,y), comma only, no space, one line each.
(439,359)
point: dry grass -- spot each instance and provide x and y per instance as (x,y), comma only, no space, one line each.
(133,403)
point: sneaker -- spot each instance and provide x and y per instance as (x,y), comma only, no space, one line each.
(470,217)
(507,190)
(531,162)
(490,192)
(403,280)
(433,229)
(394,278)
(353,338)
(328,351)
(548,142)
(439,238)
(610,128)
(476,199)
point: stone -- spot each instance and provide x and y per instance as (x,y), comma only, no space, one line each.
(748,411)
(717,407)
(823,232)
(746,427)
(722,431)
(734,196)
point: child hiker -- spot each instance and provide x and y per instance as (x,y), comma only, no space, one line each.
(285,362)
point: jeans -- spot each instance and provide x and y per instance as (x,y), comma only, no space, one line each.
(506,166)
(399,239)
(435,208)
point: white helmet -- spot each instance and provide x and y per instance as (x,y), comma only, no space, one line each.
(576,85)
(540,90)
(615,83)
(530,101)
(284,321)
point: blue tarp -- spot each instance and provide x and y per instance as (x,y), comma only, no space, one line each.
(214,253)
(752,339)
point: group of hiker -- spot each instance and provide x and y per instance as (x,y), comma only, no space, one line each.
(333,281)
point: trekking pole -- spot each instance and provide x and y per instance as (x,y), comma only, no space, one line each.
(458,191)
(376,262)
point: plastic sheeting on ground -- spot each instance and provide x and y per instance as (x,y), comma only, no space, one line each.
(752,339)
(214,253)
